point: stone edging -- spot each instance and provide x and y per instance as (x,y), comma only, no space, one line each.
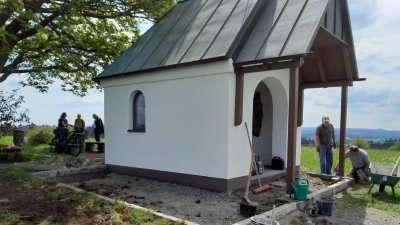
(285,209)
(67,172)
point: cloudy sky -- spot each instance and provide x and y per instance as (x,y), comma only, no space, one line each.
(374,103)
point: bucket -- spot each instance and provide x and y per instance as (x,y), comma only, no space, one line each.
(326,206)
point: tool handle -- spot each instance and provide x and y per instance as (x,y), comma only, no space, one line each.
(252,154)
(395,167)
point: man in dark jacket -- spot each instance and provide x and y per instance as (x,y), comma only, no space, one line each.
(98,127)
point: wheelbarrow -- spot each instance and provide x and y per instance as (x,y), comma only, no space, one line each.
(384,174)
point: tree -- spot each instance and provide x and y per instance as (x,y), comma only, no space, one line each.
(360,142)
(69,40)
(9,115)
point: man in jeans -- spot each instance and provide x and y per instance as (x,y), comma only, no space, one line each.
(324,134)
(361,162)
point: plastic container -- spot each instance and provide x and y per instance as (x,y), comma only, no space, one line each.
(326,206)
(301,189)
(278,163)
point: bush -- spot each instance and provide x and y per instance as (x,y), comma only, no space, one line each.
(360,142)
(395,147)
(41,135)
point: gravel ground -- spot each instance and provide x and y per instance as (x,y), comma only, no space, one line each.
(193,204)
(201,206)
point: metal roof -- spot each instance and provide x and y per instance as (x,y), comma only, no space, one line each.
(248,31)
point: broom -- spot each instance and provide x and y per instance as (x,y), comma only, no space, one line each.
(261,188)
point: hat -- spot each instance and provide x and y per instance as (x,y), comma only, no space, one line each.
(325,118)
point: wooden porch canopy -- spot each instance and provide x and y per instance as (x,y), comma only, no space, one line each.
(328,61)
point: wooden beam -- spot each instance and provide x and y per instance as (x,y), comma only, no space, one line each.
(272,66)
(301,80)
(239,98)
(326,84)
(346,60)
(292,128)
(343,121)
(300,108)
(319,64)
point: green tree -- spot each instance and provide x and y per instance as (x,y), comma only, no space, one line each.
(396,146)
(360,142)
(9,115)
(69,40)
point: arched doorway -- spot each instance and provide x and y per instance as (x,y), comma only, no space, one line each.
(269,128)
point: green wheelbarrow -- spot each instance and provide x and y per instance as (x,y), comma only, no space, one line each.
(384,174)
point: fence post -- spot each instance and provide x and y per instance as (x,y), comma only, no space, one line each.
(18,137)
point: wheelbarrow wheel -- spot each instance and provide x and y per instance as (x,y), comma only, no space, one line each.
(382,188)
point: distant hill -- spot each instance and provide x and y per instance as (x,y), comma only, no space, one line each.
(369,134)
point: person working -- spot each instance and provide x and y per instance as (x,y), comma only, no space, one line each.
(360,161)
(324,134)
(79,124)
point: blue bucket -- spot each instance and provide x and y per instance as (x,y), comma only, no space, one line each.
(326,206)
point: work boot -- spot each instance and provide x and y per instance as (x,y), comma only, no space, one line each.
(350,175)
(365,182)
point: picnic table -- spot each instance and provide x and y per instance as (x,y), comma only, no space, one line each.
(90,146)
(11,151)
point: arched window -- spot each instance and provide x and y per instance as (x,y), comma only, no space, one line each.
(139,115)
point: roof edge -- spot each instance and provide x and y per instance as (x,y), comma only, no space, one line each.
(275,59)
(175,66)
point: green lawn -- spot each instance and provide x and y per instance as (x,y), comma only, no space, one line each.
(360,197)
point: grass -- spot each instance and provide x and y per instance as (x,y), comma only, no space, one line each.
(114,212)
(28,151)
(359,197)
(25,175)
(32,152)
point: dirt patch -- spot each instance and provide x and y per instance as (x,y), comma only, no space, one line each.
(193,204)
(30,207)
(343,214)
(83,160)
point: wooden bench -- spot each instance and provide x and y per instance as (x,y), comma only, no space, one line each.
(11,153)
(90,146)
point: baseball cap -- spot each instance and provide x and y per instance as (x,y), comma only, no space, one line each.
(325,118)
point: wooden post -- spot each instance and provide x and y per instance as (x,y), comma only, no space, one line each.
(292,128)
(300,108)
(239,99)
(343,120)
(18,137)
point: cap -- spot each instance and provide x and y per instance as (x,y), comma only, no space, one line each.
(325,118)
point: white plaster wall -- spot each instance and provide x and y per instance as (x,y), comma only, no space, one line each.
(186,121)
(262,145)
(239,150)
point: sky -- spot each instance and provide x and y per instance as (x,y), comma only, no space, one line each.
(372,104)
